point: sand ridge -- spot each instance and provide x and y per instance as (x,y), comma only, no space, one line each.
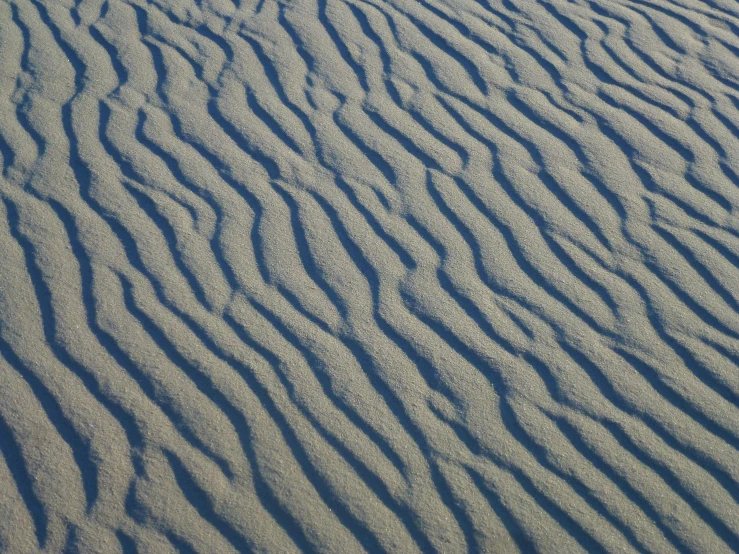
(369,275)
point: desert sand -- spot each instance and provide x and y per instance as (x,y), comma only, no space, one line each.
(349,276)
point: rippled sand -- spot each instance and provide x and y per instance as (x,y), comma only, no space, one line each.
(363,275)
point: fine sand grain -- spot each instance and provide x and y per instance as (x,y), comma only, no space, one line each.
(404,276)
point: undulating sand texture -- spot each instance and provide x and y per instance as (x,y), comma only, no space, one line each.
(369,275)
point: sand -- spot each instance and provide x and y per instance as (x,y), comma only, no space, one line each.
(369,275)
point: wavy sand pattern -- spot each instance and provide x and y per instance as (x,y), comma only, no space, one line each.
(369,275)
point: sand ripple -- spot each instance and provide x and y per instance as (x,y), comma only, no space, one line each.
(369,275)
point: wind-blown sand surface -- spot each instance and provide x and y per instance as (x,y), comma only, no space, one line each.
(366,275)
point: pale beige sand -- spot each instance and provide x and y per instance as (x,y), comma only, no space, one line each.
(369,275)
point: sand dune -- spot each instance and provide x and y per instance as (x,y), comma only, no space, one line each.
(369,275)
